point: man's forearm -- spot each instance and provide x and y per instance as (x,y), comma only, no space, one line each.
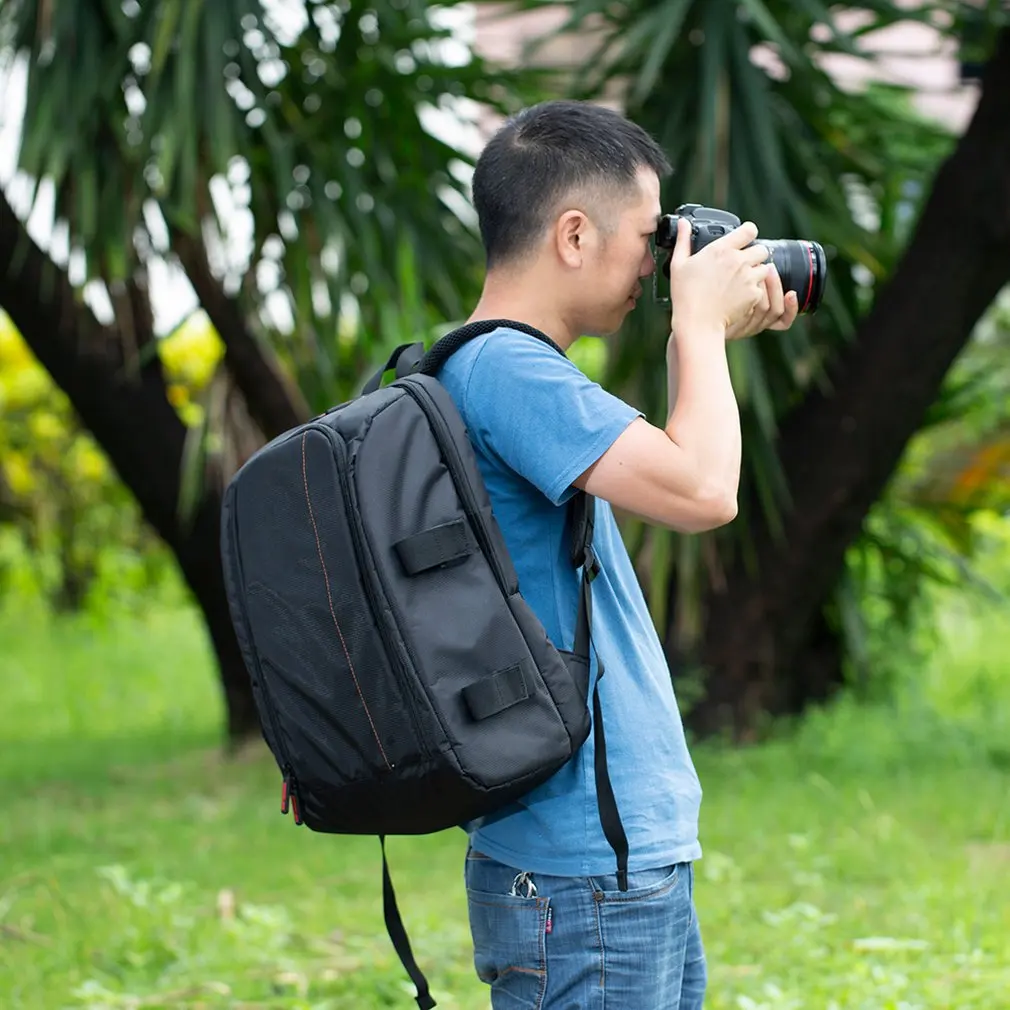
(672,376)
(704,418)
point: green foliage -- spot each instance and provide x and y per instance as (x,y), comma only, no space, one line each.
(855,861)
(298,138)
(977,25)
(959,463)
(69,529)
(939,521)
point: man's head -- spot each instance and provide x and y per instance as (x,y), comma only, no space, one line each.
(567,195)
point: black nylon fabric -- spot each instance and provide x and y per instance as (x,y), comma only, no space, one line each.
(437,547)
(319,657)
(362,667)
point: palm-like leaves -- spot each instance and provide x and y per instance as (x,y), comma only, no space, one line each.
(309,119)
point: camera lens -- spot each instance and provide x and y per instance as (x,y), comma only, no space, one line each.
(802,267)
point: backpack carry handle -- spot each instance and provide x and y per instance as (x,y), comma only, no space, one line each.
(404,359)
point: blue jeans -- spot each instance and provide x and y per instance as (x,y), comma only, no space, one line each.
(578,943)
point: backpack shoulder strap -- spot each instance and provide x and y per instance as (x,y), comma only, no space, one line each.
(448,345)
(582,507)
(409,359)
(582,518)
(582,512)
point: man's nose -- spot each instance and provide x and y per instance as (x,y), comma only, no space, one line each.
(648,265)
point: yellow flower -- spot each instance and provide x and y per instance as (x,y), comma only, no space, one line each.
(191,414)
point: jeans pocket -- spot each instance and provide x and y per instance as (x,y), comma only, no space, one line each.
(642,884)
(508,933)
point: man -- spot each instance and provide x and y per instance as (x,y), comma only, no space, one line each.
(567,196)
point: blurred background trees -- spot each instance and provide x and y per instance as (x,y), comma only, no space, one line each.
(291,166)
(276,158)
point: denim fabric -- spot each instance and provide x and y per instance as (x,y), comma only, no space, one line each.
(578,943)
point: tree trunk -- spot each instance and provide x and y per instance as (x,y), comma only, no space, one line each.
(123,404)
(764,649)
(272,400)
(200,559)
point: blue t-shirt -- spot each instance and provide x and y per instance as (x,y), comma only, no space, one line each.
(536,423)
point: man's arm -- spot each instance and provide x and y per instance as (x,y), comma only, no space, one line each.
(672,374)
(684,475)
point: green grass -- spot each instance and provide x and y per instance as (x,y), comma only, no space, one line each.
(862,861)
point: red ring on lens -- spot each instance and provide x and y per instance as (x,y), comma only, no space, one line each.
(810,282)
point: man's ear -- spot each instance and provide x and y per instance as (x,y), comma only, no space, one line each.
(570,234)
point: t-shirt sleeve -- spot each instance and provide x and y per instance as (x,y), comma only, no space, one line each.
(536,411)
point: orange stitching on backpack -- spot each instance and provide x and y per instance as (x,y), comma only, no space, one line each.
(329,598)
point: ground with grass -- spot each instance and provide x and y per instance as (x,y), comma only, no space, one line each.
(860,861)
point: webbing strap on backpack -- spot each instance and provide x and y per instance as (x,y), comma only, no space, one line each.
(583,516)
(398,934)
(448,345)
(410,358)
(404,359)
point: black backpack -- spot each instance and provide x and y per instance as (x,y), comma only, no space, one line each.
(403,684)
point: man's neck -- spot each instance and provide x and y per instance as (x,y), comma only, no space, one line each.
(514,298)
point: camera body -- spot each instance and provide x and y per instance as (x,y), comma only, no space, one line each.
(707,224)
(801,265)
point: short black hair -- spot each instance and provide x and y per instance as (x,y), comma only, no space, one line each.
(542,154)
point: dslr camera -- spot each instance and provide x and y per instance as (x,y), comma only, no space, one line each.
(801,265)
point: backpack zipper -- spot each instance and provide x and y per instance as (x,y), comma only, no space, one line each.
(370,577)
(457,471)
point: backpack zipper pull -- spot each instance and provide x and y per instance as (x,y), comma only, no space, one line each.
(289,797)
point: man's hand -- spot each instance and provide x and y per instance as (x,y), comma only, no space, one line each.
(775,310)
(718,287)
